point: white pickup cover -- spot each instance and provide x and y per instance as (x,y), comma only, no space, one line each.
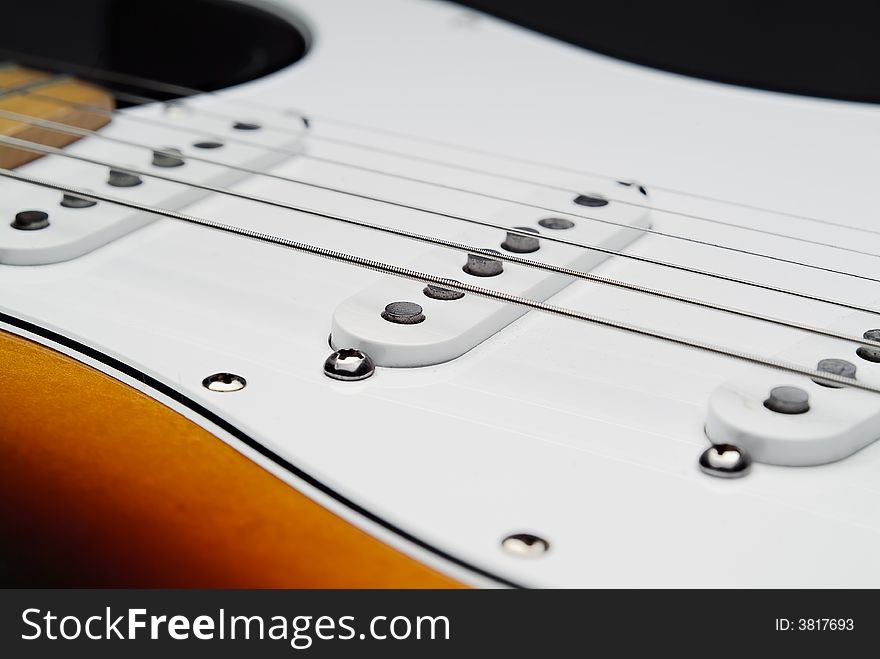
(452,327)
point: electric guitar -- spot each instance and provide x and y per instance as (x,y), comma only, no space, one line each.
(394,293)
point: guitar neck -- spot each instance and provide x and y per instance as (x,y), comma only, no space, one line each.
(56,98)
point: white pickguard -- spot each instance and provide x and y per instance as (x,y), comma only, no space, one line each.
(582,435)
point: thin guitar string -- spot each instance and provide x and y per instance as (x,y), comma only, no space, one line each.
(582,172)
(314,136)
(184,91)
(421,277)
(469,249)
(143,100)
(374,170)
(73,130)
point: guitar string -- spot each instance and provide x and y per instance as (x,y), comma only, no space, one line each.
(438,242)
(341,163)
(421,277)
(184,91)
(73,130)
(499,175)
(581,172)
(14,116)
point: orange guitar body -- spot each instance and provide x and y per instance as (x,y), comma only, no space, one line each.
(103,486)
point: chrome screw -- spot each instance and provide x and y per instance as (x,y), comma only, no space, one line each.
(725,461)
(525,545)
(349,365)
(224,382)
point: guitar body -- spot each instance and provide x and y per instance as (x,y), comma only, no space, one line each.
(488,448)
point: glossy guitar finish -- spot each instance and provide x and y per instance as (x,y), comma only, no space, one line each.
(104,486)
(579,434)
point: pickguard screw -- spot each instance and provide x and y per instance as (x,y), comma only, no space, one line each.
(526,545)
(246,125)
(30,220)
(725,461)
(788,400)
(208,144)
(224,382)
(520,244)
(483,266)
(403,313)
(167,157)
(121,179)
(349,365)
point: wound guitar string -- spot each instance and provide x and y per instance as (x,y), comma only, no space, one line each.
(65,128)
(413,179)
(422,277)
(183,91)
(453,285)
(34,147)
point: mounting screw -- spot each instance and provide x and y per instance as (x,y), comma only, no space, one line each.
(167,157)
(403,313)
(208,144)
(483,266)
(224,382)
(30,220)
(349,365)
(788,400)
(520,244)
(526,545)
(725,461)
(121,179)
(246,125)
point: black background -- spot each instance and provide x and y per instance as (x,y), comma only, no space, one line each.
(829,49)
(202,44)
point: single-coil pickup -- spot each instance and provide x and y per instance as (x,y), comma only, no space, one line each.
(402,323)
